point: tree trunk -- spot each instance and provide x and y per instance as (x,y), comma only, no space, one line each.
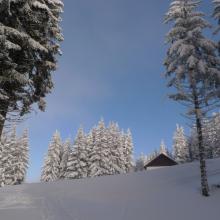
(204,180)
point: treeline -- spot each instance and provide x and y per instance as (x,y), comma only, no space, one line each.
(105,150)
(186,148)
(14,157)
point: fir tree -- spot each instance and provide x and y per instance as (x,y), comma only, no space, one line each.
(180,146)
(76,165)
(22,158)
(140,163)
(116,145)
(192,68)
(128,151)
(66,149)
(82,154)
(29,39)
(51,167)
(90,140)
(72,165)
(100,155)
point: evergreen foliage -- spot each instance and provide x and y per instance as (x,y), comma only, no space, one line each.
(14,158)
(180,146)
(192,68)
(29,41)
(51,168)
(103,151)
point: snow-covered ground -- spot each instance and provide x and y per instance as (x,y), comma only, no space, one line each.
(170,193)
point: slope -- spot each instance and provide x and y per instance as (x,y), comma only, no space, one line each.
(168,193)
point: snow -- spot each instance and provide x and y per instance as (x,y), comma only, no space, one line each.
(169,193)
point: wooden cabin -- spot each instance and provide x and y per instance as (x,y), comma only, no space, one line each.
(162,160)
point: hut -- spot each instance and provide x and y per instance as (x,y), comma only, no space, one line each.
(161,160)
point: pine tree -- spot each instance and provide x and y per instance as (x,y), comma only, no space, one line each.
(51,167)
(100,155)
(128,151)
(14,153)
(216,135)
(192,68)
(82,154)
(116,141)
(216,15)
(77,165)
(90,140)
(72,165)
(66,149)
(22,157)
(29,39)
(140,163)
(180,146)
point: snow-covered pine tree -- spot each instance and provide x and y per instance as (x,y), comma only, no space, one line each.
(100,161)
(209,138)
(13,151)
(216,135)
(10,156)
(140,163)
(192,68)
(121,148)
(128,151)
(29,39)
(180,146)
(51,167)
(90,140)
(66,149)
(216,15)
(77,162)
(82,154)
(22,157)
(116,143)
(72,165)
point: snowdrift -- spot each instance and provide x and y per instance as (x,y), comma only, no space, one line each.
(171,193)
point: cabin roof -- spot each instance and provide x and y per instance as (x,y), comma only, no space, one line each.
(161,160)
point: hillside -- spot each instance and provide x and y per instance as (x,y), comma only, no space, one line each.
(168,193)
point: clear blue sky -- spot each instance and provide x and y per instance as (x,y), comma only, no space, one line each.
(112,67)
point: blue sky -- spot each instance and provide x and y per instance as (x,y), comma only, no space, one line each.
(112,67)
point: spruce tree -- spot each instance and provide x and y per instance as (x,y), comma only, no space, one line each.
(116,144)
(128,151)
(77,165)
(66,149)
(22,157)
(90,140)
(192,68)
(19,150)
(82,154)
(180,146)
(29,39)
(140,163)
(51,167)
(72,171)
(100,155)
